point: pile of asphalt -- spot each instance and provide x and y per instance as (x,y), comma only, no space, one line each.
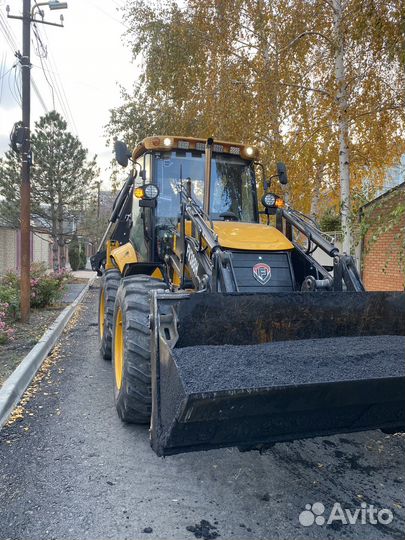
(204,530)
(285,363)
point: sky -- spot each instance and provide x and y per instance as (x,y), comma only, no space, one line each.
(86,62)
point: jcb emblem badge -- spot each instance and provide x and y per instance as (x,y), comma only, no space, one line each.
(262,273)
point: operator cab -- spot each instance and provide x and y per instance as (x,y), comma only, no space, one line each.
(167,162)
(233,187)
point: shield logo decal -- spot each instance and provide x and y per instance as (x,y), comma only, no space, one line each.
(262,273)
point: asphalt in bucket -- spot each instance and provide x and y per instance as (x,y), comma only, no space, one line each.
(284,363)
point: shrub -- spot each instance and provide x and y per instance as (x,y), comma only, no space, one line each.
(6,332)
(74,254)
(10,293)
(38,269)
(45,291)
(83,258)
(62,275)
(46,288)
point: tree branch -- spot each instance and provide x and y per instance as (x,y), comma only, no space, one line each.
(375,111)
(307,88)
(317,130)
(303,34)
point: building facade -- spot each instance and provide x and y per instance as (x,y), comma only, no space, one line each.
(382,251)
(41,249)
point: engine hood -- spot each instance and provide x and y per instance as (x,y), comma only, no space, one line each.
(250,236)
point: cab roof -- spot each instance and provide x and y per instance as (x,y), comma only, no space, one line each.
(170,142)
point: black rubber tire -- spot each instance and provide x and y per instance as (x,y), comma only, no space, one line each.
(133,399)
(109,285)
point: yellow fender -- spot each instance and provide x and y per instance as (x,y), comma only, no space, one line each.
(124,255)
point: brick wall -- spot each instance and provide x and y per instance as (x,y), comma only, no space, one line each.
(383,257)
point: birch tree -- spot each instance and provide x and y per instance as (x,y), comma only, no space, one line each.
(316,84)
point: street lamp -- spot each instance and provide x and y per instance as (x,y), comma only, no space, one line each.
(55,4)
(52,4)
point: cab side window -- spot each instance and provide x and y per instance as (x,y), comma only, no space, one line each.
(138,224)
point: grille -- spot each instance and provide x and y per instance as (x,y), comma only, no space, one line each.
(281,279)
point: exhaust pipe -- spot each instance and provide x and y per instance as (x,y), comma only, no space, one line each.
(207,178)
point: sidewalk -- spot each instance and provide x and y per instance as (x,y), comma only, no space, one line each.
(74,289)
(19,371)
(84,274)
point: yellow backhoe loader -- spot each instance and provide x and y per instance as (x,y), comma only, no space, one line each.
(222,327)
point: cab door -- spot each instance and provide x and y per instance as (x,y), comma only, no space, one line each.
(142,230)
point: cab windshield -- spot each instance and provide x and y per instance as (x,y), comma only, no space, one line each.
(233,187)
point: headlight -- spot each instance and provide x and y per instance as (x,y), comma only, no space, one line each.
(151,191)
(139,193)
(269,200)
(248,152)
(280,203)
(167,141)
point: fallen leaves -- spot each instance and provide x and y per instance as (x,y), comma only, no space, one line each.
(18,413)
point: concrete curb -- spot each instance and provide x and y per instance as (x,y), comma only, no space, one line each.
(15,386)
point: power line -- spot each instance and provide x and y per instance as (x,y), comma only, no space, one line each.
(109,15)
(120,6)
(12,90)
(3,66)
(8,71)
(58,84)
(11,40)
(17,82)
(39,96)
(6,30)
(39,43)
(52,81)
(53,78)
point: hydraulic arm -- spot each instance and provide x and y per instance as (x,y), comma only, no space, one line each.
(119,224)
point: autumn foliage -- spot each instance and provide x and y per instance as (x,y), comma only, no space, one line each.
(318,84)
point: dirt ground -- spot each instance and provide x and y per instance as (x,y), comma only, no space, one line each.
(25,337)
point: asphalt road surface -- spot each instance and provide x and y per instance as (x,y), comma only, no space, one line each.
(70,469)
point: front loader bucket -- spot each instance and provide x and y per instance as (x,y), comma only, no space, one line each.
(250,370)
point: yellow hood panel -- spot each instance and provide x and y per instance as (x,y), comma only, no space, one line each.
(250,236)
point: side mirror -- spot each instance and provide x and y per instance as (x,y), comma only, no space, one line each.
(122,154)
(282,173)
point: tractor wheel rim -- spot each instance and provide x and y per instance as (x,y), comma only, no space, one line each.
(118,350)
(101,314)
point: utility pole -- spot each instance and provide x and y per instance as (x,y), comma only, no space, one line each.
(25,150)
(25,205)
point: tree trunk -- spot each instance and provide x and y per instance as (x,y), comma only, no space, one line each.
(342,104)
(55,253)
(316,192)
(54,236)
(62,254)
(61,236)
